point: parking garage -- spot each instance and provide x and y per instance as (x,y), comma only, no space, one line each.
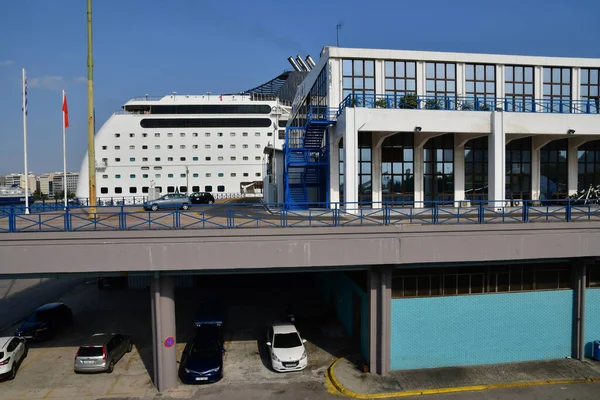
(330,316)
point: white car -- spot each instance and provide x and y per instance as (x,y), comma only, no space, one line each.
(286,348)
(13,351)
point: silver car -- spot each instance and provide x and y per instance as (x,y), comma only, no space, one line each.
(171,200)
(101,351)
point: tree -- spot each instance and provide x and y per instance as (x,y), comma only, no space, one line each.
(38,195)
(61,195)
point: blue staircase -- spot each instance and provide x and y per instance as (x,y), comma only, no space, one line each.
(307,159)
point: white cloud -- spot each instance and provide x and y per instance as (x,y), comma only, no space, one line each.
(6,63)
(46,82)
(80,79)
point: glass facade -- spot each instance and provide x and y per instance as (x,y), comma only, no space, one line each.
(553,170)
(438,160)
(365,187)
(476,169)
(480,85)
(519,88)
(397,169)
(401,83)
(588,165)
(590,89)
(518,169)
(557,89)
(440,83)
(358,77)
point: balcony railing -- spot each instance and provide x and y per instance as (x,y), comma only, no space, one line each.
(470,103)
(262,215)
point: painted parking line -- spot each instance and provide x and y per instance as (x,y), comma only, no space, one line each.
(65,376)
(38,354)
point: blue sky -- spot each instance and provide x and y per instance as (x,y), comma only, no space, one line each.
(198,46)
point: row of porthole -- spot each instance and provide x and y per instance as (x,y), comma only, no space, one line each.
(208,175)
(220,158)
(170,189)
(183,147)
(195,134)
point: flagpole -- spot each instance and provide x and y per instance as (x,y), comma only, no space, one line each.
(25,141)
(64,152)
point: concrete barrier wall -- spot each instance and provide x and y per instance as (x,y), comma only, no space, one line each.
(592,318)
(481,329)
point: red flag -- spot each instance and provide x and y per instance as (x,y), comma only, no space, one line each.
(65,110)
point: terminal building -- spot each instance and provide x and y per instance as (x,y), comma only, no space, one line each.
(408,129)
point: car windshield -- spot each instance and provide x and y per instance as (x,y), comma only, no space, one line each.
(286,340)
(39,316)
(204,346)
(1,355)
(92,351)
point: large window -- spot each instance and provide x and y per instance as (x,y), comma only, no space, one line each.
(358,77)
(553,170)
(438,166)
(453,281)
(401,82)
(518,169)
(397,169)
(480,80)
(519,88)
(476,169)
(440,85)
(588,160)
(557,89)
(590,89)
(365,188)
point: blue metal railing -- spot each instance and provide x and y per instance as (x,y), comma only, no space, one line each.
(470,103)
(261,215)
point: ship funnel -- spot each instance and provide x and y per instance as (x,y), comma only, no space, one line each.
(302,63)
(310,62)
(293,62)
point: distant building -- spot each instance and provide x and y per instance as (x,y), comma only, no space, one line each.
(72,178)
(47,184)
(13,179)
(31,182)
(2,180)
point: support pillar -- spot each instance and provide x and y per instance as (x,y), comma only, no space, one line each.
(334,168)
(580,276)
(163,328)
(380,300)
(351,161)
(497,160)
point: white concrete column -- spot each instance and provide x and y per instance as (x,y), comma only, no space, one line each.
(497,159)
(351,160)
(163,332)
(334,167)
(500,79)
(537,143)
(460,139)
(379,77)
(460,79)
(538,85)
(334,76)
(421,78)
(576,87)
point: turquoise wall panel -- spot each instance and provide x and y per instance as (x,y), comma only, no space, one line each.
(481,329)
(592,318)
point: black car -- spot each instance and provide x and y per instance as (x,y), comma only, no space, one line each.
(45,322)
(202,358)
(202,198)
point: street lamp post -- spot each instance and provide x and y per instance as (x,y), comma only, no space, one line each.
(187,180)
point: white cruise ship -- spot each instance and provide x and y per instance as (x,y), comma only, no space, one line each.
(190,143)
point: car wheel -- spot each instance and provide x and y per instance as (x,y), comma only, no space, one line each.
(154,207)
(211,201)
(129,347)
(13,372)
(111,367)
(185,207)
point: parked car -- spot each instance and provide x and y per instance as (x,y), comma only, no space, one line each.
(202,358)
(116,282)
(202,198)
(286,348)
(100,352)
(45,322)
(13,351)
(171,200)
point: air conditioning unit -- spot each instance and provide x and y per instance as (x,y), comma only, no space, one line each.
(517,203)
